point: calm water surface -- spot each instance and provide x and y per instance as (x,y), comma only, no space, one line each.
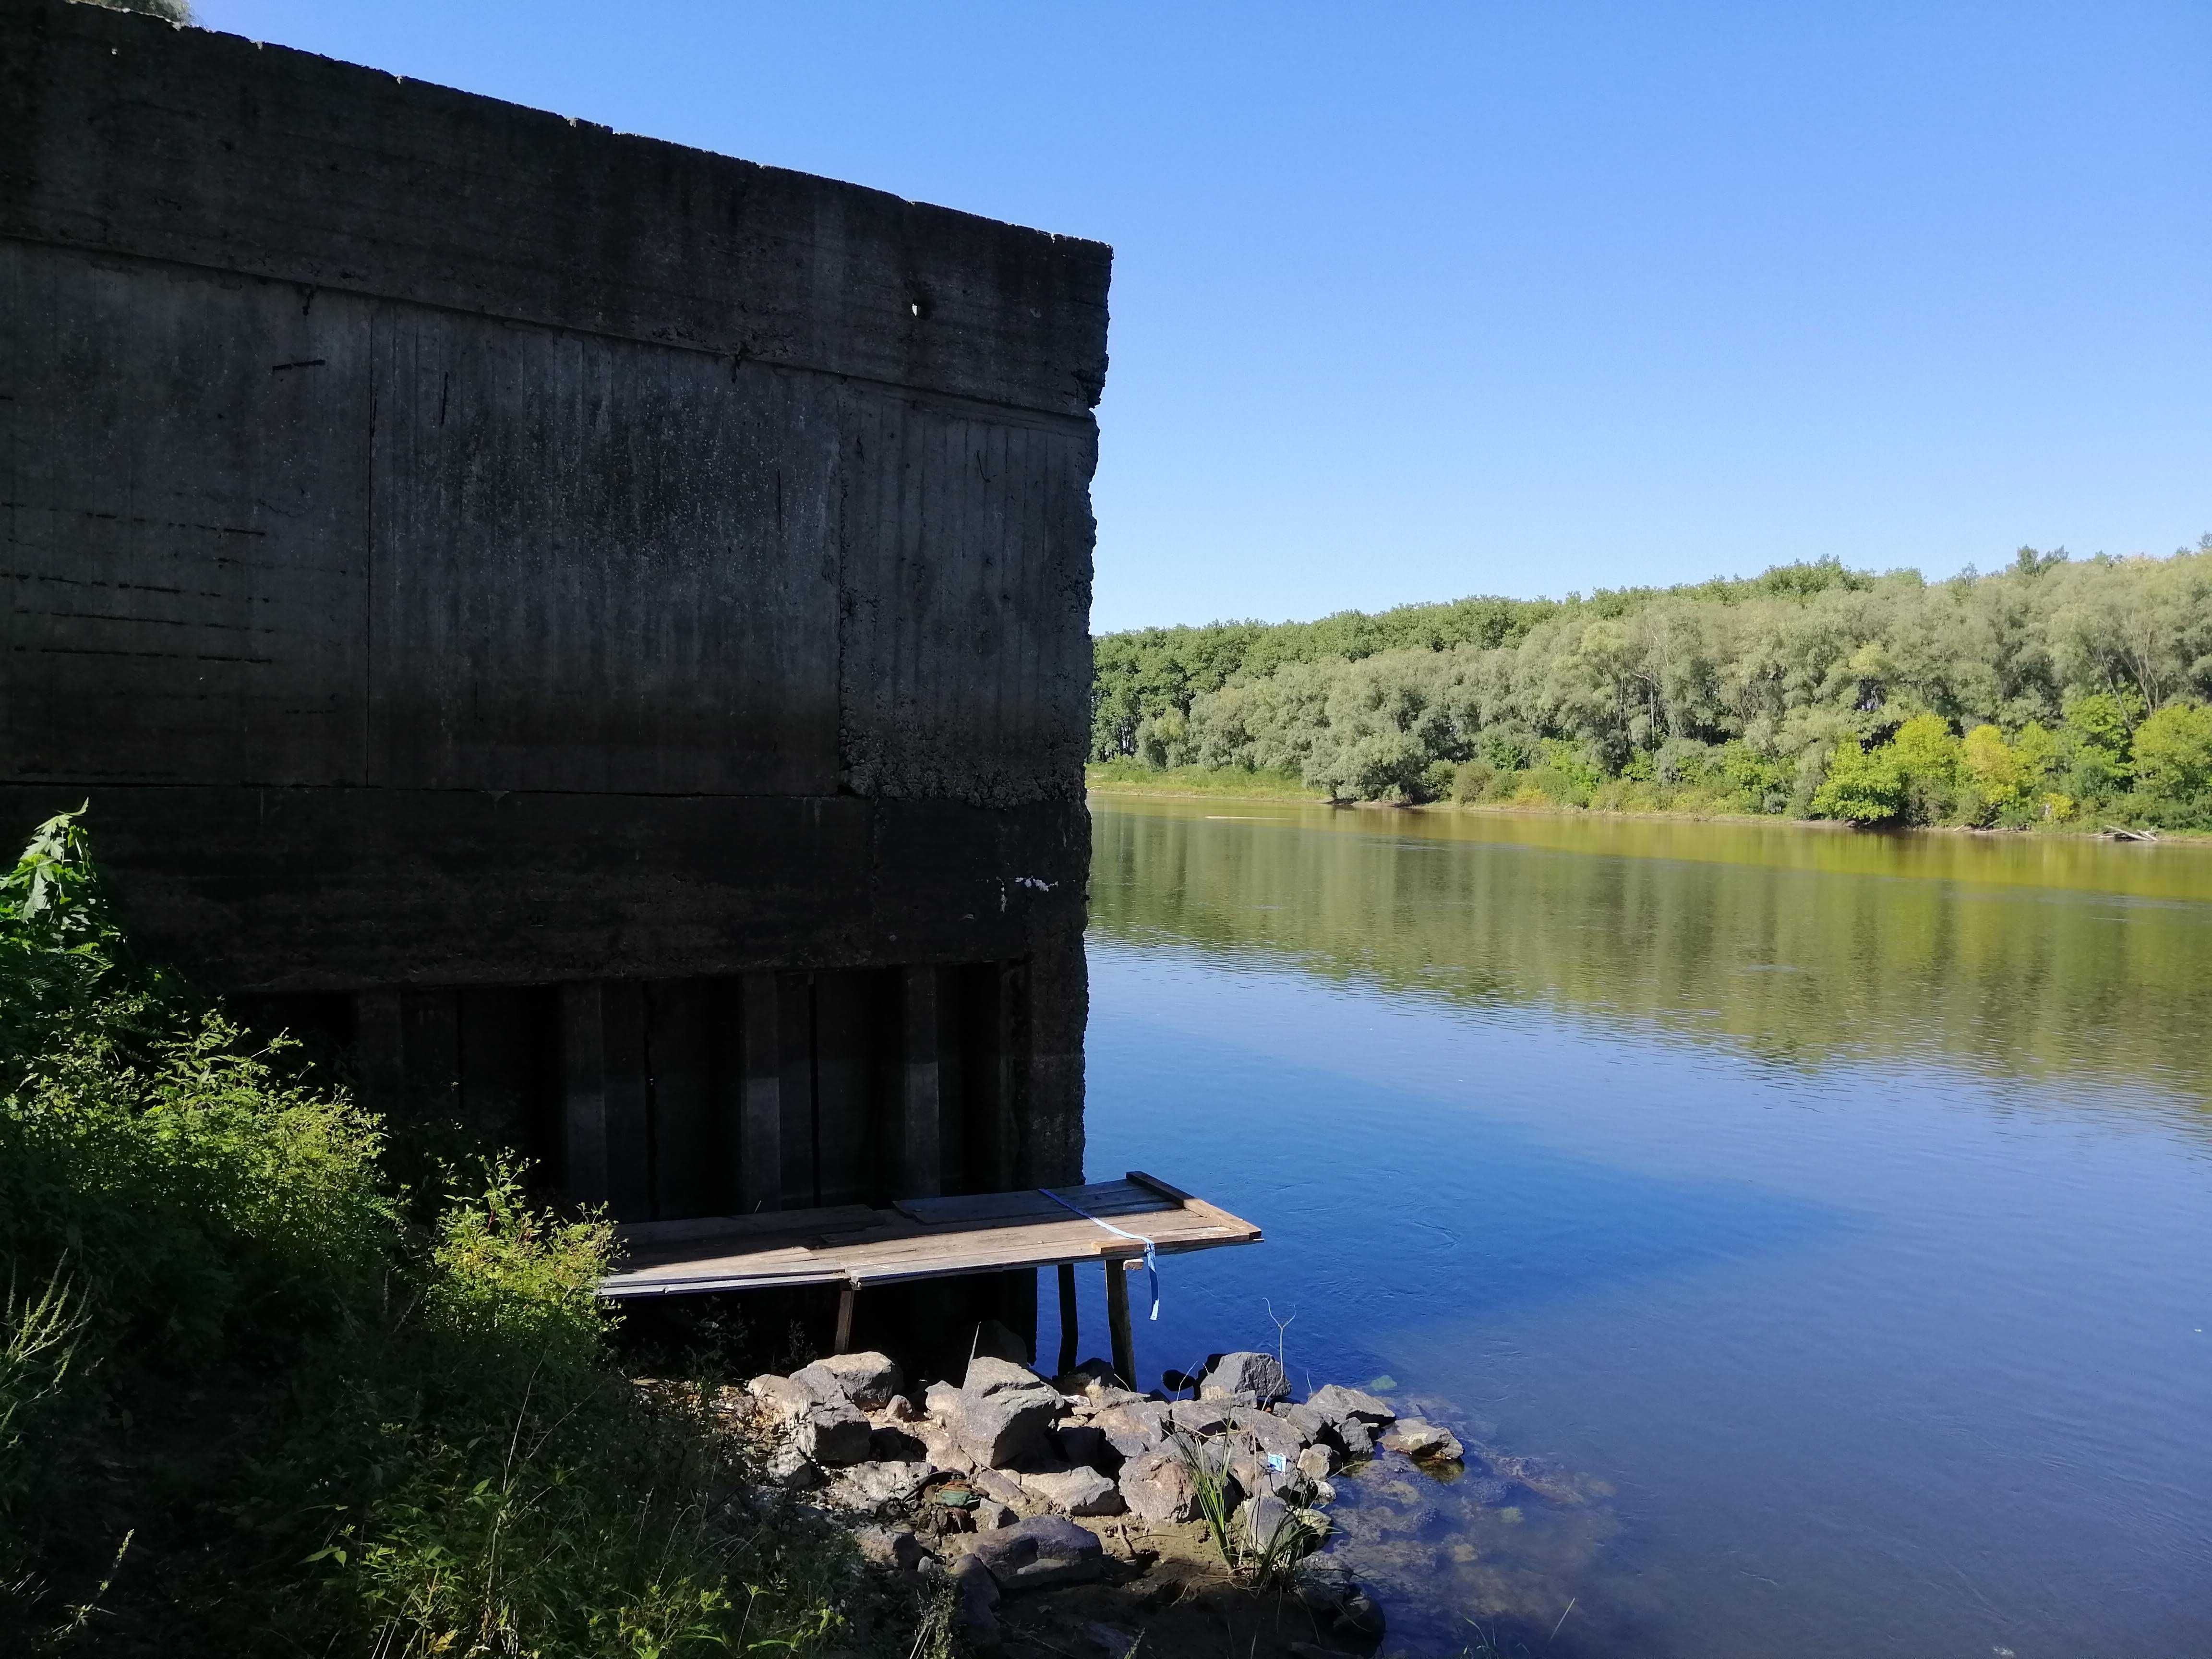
(1814,1230)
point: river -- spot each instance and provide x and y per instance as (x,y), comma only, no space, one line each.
(1813,1231)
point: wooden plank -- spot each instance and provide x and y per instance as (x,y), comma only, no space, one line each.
(853,1244)
(846,1299)
(919,1152)
(760,1161)
(1112,1199)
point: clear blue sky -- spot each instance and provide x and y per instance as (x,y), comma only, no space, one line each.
(1411,301)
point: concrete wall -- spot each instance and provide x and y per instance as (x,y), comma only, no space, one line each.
(465,554)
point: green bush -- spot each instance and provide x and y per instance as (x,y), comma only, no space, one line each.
(1863,786)
(409,1438)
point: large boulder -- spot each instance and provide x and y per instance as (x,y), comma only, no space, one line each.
(1002,1414)
(1156,1486)
(1078,1492)
(1309,1424)
(1337,1404)
(1266,1432)
(1245,1375)
(790,1469)
(781,1401)
(1133,1429)
(1039,1552)
(868,1380)
(1199,1416)
(831,1433)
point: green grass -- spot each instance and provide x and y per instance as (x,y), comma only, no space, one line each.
(257,1396)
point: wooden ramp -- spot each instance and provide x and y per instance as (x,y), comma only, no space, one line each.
(855,1247)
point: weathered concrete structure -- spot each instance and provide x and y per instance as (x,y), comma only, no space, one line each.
(601,626)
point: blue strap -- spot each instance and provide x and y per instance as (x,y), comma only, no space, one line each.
(1152,1262)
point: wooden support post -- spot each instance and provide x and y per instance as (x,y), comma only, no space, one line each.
(760,1138)
(1068,1330)
(846,1299)
(920,1151)
(380,1052)
(1117,1319)
(583,1093)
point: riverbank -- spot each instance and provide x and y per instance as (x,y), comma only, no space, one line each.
(1135,780)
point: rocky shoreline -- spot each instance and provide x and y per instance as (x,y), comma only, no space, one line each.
(1010,1484)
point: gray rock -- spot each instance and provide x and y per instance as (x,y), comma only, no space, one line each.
(780,1399)
(1199,1416)
(892,1546)
(998,1485)
(975,1605)
(1309,1424)
(1083,1444)
(940,1398)
(941,1449)
(865,1380)
(790,1469)
(991,1515)
(1078,1492)
(873,1488)
(1316,1463)
(1340,1603)
(1090,1378)
(831,1433)
(1266,1431)
(993,1340)
(895,1442)
(1157,1485)
(1357,1438)
(1133,1429)
(1039,1552)
(1002,1414)
(1426,1441)
(1232,1375)
(1337,1404)
(1267,1520)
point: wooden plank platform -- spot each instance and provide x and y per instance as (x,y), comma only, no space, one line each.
(855,1247)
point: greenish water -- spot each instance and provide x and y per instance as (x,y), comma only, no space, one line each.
(1815,1230)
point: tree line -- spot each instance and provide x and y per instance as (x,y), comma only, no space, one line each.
(2057,691)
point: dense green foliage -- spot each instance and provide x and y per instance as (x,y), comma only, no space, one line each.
(253,1396)
(2057,956)
(2055,691)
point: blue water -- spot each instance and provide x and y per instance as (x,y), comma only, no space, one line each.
(1840,1352)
